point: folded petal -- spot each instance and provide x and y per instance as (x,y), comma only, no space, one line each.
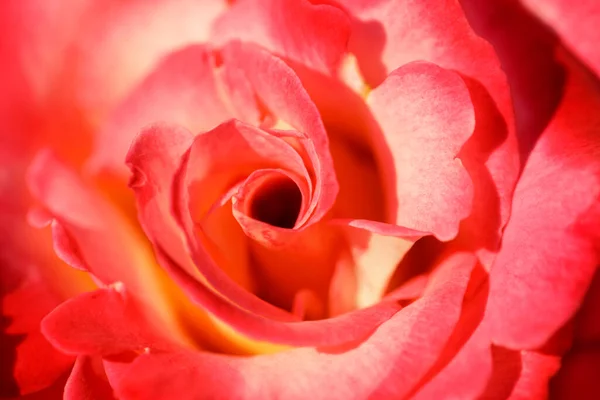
(88,381)
(387,364)
(287,103)
(575,24)
(311,35)
(180,90)
(426,116)
(549,252)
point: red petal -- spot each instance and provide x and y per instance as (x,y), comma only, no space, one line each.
(104,322)
(26,299)
(576,24)
(88,381)
(548,254)
(312,35)
(426,116)
(386,365)
(180,90)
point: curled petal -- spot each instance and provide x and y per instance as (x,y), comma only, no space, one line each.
(287,103)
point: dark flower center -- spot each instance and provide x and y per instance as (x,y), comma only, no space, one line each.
(277,203)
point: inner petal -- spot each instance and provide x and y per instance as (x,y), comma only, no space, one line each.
(277,202)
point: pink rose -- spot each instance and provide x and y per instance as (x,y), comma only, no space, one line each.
(286,199)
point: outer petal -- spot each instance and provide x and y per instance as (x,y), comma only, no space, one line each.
(426,115)
(105,322)
(389,34)
(535,289)
(110,247)
(312,35)
(26,298)
(104,68)
(88,381)
(576,24)
(386,365)
(32,283)
(181,90)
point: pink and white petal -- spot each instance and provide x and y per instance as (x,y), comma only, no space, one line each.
(287,102)
(425,115)
(385,365)
(105,322)
(551,260)
(576,25)
(104,68)
(88,381)
(180,90)
(438,32)
(110,247)
(312,35)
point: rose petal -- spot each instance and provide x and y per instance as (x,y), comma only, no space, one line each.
(181,89)
(104,322)
(312,35)
(88,381)
(26,299)
(575,24)
(287,102)
(326,332)
(528,277)
(438,32)
(216,162)
(103,237)
(385,365)
(426,115)
(104,69)
(376,249)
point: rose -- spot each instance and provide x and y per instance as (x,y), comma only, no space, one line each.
(479,318)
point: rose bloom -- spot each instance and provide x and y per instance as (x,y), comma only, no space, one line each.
(269,199)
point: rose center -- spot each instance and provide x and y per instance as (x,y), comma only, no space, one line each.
(277,203)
